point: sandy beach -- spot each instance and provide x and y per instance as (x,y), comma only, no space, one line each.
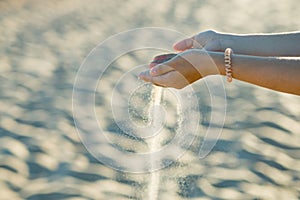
(42,156)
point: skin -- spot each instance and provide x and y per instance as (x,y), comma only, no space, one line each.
(271,61)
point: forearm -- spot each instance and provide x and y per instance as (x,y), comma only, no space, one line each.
(280,74)
(283,44)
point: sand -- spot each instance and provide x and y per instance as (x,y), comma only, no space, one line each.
(42,45)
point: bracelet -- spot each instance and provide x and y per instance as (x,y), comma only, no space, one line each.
(228,69)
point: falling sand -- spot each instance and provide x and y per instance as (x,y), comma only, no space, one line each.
(154,144)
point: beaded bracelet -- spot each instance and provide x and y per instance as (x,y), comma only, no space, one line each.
(227,58)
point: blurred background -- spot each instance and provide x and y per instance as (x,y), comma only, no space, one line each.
(42,45)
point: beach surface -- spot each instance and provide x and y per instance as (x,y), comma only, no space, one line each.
(42,156)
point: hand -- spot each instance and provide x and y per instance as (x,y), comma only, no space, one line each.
(209,40)
(182,70)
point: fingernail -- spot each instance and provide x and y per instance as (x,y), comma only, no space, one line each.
(153,71)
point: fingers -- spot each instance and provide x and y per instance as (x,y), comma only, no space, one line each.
(145,76)
(172,79)
(210,40)
(178,63)
(158,80)
(161,69)
(165,67)
(184,44)
(176,72)
(151,65)
(161,59)
(168,66)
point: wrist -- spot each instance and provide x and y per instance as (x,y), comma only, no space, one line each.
(217,67)
(226,40)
